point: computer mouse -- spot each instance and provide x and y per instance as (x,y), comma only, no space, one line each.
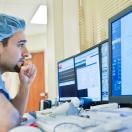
(25,129)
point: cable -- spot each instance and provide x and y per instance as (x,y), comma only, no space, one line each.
(66,123)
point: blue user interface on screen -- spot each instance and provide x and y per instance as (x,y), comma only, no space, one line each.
(66,79)
(122,56)
(105,71)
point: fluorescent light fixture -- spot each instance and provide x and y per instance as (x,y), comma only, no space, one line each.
(40,16)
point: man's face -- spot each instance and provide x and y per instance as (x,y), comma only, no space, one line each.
(14,53)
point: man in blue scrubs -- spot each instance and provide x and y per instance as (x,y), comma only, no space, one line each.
(12,59)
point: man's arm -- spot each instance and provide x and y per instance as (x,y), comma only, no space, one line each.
(27,75)
(9,116)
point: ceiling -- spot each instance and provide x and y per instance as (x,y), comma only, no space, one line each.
(24,9)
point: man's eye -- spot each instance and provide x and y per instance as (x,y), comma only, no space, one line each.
(20,45)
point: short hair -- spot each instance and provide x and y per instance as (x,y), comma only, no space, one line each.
(5,42)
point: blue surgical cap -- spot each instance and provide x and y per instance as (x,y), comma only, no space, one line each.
(9,25)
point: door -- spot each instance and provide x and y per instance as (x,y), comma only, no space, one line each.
(38,86)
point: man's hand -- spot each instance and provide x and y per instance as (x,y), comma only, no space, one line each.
(27,75)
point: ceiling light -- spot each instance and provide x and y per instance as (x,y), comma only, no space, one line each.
(40,16)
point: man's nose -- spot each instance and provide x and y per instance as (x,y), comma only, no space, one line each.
(25,52)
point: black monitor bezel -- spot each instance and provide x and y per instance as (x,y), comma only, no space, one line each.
(72,57)
(100,46)
(125,99)
(91,48)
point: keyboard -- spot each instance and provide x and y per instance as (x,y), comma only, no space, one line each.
(53,123)
(102,116)
(93,120)
(123,124)
(109,106)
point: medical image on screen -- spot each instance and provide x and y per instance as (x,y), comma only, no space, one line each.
(88,74)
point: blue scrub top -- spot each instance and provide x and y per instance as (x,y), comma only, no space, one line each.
(3,89)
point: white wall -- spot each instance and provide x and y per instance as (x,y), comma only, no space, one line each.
(62,38)
(71,27)
(36,43)
(50,52)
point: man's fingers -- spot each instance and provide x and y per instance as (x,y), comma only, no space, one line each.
(33,71)
(28,70)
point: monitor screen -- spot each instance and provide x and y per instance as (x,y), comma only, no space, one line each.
(104,48)
(120,35)
(66,79)
(87,67)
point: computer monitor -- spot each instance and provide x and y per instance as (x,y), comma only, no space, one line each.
(66,79)
(87,67)
(104,56)
(120,36)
